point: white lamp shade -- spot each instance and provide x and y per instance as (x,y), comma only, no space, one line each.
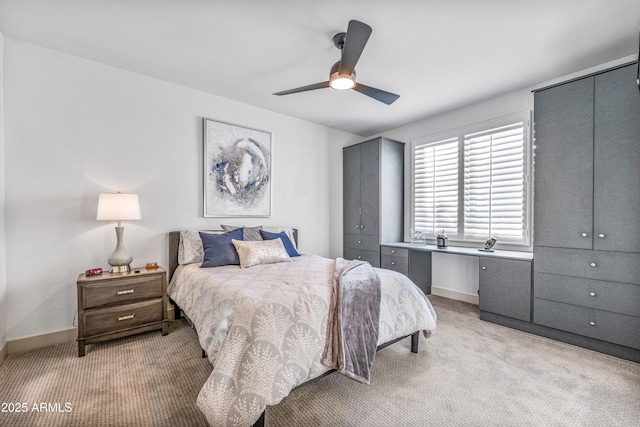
(118,207)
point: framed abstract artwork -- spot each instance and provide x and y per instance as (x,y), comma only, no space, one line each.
(237,171)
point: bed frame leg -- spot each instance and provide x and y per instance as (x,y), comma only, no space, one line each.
(204,354)
(415,339)
(260,422)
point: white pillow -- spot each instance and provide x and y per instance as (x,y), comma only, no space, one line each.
(254,252)
(190,248)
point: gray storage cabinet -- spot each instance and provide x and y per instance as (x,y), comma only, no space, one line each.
(373,197)
(505,288)
(586,211)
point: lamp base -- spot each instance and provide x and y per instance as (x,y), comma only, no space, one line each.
(115,269)
(120,260)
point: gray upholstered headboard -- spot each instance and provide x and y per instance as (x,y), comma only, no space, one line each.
(174,241)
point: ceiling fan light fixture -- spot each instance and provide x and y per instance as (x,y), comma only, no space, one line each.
(343,82)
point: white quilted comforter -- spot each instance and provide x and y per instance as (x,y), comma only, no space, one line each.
(264,328)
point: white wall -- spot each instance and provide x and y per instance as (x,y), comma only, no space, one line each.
(75,128)
(453,273)
(3,260)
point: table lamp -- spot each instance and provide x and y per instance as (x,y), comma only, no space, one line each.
(119,207)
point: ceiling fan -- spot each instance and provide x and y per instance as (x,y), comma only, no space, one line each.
(343,74)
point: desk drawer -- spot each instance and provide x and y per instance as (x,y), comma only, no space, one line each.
(395,252)
(608,296)
(116,291)
(395,263)
(112,319)
(619,267)
(601,325)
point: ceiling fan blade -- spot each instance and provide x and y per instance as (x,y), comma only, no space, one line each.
(378,94)
(357,36)
(303,88)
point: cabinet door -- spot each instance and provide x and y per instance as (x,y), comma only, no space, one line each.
(351,188)
(617,161)
(505,287)
(370,187)
(563,165)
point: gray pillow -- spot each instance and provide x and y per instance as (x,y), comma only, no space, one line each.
(248,233)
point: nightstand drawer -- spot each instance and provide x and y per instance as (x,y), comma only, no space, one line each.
(110,319)
(118,291)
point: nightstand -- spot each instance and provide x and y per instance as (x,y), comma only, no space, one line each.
(116,305)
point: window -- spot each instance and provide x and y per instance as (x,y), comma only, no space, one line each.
(473,183)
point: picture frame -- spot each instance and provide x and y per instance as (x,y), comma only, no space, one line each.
(237,170)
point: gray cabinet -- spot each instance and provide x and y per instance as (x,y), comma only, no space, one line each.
(587,174)
(373,174)
(587,200)
(505,287)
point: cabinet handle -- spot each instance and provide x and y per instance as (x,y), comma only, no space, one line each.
(592,294)
(393,263)
(601,235)
(359,242)
(483,267)
(583,234)
(128,291)
(359,256)
(357,226)
(362,226)
(393,251)
(592,323)
(592,264)
(127,317)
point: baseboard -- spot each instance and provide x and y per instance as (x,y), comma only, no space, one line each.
(4,352)
(454,295)
(68,335)
(38,341)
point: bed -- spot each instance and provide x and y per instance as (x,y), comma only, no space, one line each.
(264,328)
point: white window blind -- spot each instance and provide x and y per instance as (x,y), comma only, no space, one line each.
(494,184)
(436,187)
(473,182)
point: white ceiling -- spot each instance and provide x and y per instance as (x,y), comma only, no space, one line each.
(437,55)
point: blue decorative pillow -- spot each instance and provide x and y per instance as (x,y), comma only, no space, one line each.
(219,250)
(291,250)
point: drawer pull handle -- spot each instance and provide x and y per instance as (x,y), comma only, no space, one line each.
(393,251)
(359,242)
(127,317)
(592,294)
(128,291)
(583,234)
(592,264)
(359,256)
(357,226)
(483,267)
(601,235)
(592,323)
(393,263)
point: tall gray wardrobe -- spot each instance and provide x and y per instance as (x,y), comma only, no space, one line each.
(587,212)
(373,197)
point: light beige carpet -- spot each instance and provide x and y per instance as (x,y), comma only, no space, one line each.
(471,373)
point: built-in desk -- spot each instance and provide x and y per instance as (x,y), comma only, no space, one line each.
(458,250)
(505,277)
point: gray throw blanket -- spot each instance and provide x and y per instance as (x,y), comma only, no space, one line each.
(354,320)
